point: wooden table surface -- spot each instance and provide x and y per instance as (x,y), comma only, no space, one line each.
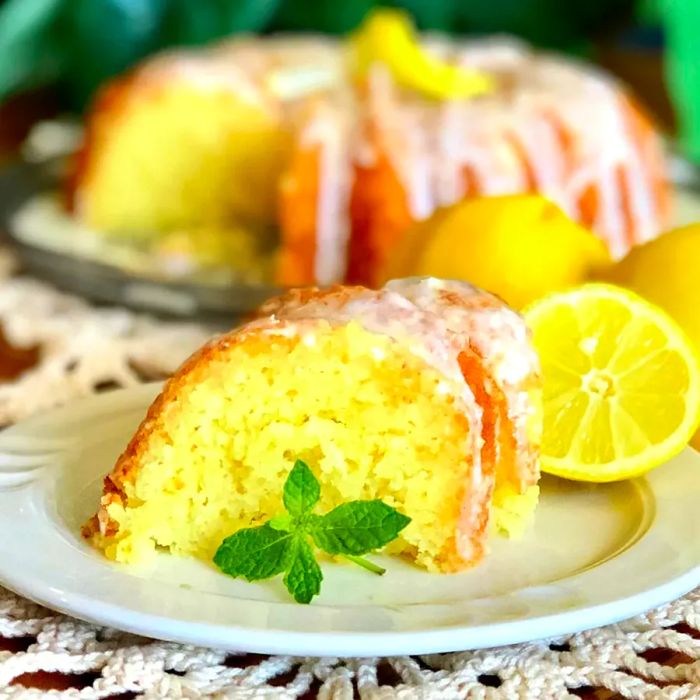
(17,115)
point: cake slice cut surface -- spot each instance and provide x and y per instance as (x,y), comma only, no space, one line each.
(372,420)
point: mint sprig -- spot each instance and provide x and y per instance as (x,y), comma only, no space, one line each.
(282,544)
(301,490)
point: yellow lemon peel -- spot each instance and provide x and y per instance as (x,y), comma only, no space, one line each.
(388,36)
(664,271)
(520,247)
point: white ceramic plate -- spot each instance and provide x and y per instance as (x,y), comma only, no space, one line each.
(594,555)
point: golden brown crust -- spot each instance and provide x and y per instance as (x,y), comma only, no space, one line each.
(338,294)
(110,102)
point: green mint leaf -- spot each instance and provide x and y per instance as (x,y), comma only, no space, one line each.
(301,490)
(304,576)
(358,527)
(282,544)
(283,522)
(255,553)
(307,523)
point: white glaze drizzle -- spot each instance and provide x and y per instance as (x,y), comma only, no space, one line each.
(502,339)
(329,131)
(585,101)
(431,144)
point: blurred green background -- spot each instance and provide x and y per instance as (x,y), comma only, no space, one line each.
(73,45)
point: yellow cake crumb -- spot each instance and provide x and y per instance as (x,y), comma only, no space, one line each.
(511,512)
(202,158)
(366,415)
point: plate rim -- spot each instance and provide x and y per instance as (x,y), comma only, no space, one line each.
(80,604)
(98,279)
(355,644)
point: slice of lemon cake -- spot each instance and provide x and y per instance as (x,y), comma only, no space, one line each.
(369,388)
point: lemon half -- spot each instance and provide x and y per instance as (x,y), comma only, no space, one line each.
(621,383)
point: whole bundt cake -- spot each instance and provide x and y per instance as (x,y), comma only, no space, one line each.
(285,135)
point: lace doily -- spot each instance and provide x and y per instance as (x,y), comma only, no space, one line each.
(82,349)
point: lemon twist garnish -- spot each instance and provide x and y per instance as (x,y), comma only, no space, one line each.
(389,37)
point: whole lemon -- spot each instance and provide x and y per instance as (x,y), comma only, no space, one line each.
(665,271)
(520,247)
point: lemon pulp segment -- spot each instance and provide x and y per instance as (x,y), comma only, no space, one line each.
(621,383)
